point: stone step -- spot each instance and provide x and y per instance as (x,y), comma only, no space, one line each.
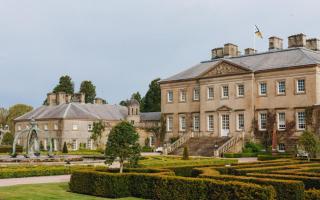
(201,146)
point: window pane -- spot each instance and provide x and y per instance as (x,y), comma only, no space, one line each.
(301,120)
(196,122)
(263,121)
(225,91)
(210,93)
(281,87)
(263,88)
(170,96)
(196,94)
(240,121)
(210,122)
(240,90)
(281,120)
(301,85)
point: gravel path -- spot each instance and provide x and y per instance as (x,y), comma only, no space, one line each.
(34,180)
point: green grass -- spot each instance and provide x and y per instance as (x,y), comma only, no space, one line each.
(45,192)
(165,161)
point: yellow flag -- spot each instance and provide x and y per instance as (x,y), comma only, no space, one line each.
(258,33)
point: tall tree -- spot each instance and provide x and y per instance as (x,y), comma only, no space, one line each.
(97,130)
(3,116)
(309,142)
(123,144)
(152,100)
(17,111)
(65,85)
(136,96)
(89,90)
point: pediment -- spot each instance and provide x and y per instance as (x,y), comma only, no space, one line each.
(224,108)
(224,68)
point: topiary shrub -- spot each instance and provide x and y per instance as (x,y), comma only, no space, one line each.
(65,148)
(312,194)
(185,155)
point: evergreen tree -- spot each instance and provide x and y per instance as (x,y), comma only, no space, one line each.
(65,85)
(185,153)
(152,100)
(65,148)
(89,90)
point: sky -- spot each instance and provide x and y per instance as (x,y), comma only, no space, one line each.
(121,45)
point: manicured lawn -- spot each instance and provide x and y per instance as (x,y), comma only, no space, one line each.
(45,192)
(165,161)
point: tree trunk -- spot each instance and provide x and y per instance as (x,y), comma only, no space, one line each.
(121,166)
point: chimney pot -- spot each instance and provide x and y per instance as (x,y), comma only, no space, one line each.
(313,44)
(249,51)
(275,43)
(298,40)
(230,50)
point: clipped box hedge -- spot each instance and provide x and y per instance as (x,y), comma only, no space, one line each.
(43,170)
(285,189)
(263,157)
(312,194)
(309,182)
(239,155)
(162,187)
(8,149)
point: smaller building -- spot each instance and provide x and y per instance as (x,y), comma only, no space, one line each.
(68,119)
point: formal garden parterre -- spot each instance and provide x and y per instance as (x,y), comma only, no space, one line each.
(279,179)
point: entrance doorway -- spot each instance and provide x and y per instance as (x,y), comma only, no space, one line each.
(225,125)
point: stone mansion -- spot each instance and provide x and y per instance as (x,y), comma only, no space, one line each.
(68,119)
(231,94)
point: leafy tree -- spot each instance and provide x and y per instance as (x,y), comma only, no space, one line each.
(97,130)
(152,100)
(17,111)
(124,103)
(123,144)
(89,90)
(159,131)
(7,139)
(65,85)
(3,116)
(65,148)
(136,96)
(185,153)
(309,142)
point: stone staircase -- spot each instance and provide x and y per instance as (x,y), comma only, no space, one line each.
(201,146)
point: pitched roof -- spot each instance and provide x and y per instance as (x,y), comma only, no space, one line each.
(256,62)
(150,116)
(77,111)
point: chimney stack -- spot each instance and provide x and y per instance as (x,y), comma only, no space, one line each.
(98,101)
(230,50)
(249,51)
(217,53)
(313,44)
(61,98)
(51,99)
(275,43)
(298,40)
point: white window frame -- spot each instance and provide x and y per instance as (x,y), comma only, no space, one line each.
(238,121)
(259,120)
(169,96)
(196,94)
(283,89)
(55,127)
(196,123)
(282,149)
(298,122)
(90,144)
(45,127)
(266,89)
(297,86)
(210,97)
(169,123)
(238,90)
(183,95)
(182,123)
(90,127)
(281,124)
(75,127)
(209,127)
(74,144)
(223,87)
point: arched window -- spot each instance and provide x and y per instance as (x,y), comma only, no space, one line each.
(132,111)
(137,111)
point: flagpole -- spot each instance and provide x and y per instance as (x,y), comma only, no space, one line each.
(254,38)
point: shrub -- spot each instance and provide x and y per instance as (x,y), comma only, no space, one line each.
(273,157)
(8,149)
(309,182)
(185,153)
(153,186)
(146,149)
(251,147)
(239,155)
(7,139)
(285,189)
(173,139)
(65,148)
(312,194)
